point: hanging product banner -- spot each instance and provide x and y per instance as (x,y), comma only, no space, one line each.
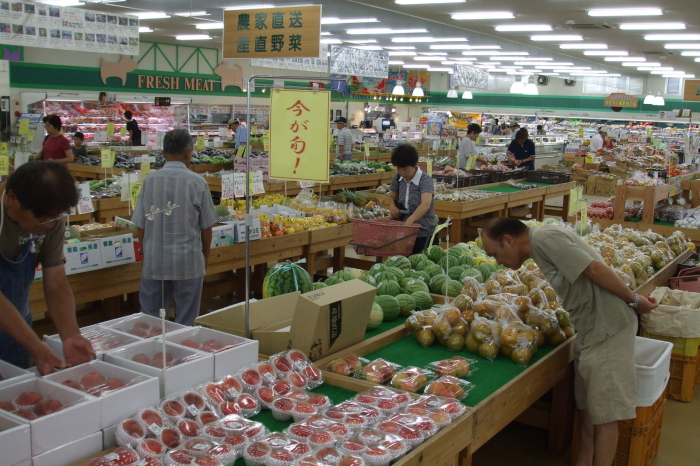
(351,61)
(48,26)
(318,65)
(470,76)
(299,135)
(283,32)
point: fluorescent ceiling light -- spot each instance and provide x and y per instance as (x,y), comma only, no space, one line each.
(627,59)
(464,47)
(189,14)
(691,53)
(326,33)
(406,53)
(426,2)
(587,73)
(151,15)
(193,37)
(360,42)
(348,20)
(214,25)
(625,12)
(331,41)
(686,76)
(643,65)
(510,67)
(483,15)
(63,2)
(444,70)
(399,40)
(495,70)
(396,62)
(405,47)
(543,64)
(429,58)
(417,66)
(672,37)
(432,54)
(487,53)
(448,62)
(651,26)
(250,7)
(523,27)
(490,63)
(143,29)
(371,31)
(583,46)
(556,37)
(660,71)
(606,53)
(579,67)
(531,59)
(655,68)
(682,47)
(549,74)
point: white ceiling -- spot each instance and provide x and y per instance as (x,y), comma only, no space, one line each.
(565,16)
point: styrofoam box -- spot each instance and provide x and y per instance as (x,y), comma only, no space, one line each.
(198,368)
(102,339)
(109,437)
(15,441)
(652,361)
(71,452)
(73,422)
(12,374)
(141,391)
(228,361)
(125,324)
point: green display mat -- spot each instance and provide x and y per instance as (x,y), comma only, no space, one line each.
(500,189)
(487,378)
(385,327)
(535,183)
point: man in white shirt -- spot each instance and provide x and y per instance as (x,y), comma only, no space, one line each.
(344,140)
(378,124)
(598,140)
(466,145)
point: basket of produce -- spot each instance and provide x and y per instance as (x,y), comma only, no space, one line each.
(687,280)
(383,237)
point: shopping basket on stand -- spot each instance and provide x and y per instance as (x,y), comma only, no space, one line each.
(687,280)
(383,237)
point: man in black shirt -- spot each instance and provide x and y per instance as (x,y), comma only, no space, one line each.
(133,128)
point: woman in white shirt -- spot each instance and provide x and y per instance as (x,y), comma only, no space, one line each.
(466,145)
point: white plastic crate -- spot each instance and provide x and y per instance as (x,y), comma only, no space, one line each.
(652,361)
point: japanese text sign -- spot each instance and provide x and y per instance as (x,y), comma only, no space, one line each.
(227,186)
(85,205)
(135,193)
(272,32)
(299,135)
(107,156)
(621,100)
(4,165)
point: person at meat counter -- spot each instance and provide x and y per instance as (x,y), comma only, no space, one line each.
(56,146)
(598,142)
(240,132)
(35,200)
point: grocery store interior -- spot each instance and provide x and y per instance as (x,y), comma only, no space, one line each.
(326,333)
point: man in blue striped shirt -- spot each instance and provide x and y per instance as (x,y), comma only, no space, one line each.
(240,131)
(175,247)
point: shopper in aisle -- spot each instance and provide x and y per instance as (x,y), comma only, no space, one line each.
(598,141)
(343,140)
(79,149)
(133,128)
(541,131)
(495,128)
(521,150)
(412,194)
(514,128)
(377,124)
(56,146)
(602,309)
(466,145)
(175,247)
(34,202)
(240,132)
(505,129)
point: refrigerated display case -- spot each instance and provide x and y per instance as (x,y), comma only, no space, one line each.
(202,118)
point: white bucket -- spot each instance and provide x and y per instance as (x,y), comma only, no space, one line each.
(652,361)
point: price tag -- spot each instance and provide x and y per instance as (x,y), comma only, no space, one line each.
(122,131)
(266,141)
(429,167)
(107,158)
(145,159)
(135,193)
(200,141)
(471,161)
(239,184)
(21,158)
(366,149)
(23,126)
(223,132)
(85,203)
(4,165)
(241,151)
(253,129)
(589,159)
(584,213)
(575,200)
(580,132)
(227,186)
(256,183)
(30,137)
(3,148)
(127,180)
(306,184)
(145,170)
(110,129)
(449,144)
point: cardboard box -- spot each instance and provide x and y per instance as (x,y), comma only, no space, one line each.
(126,325)
(318,323)
(124,221)
(82,257)
(197,367)
(574,158)
(75,421)
(10,374)
(71,452)
(117,250)
(15,441)
(605,186)
(141,391)
(102,338)
(228,361)
(590,184)
(253,231)
(223,235)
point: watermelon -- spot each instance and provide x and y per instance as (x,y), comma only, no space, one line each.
(467,260)
(435,253)
(448,262)
(344,275)
(390,307)
(437,284)
(369,279)
(411,274)
(423,275)
(423,300)
(388,287)
(286,277)
(406,304)
(384,276)
(376,316)
(398,273)
(433,270)
(486,270)
(376,268)
(454,288)
(356,273)
(471,273)
(455,272)
(415,285)
(418,261)
(333,280)
(401,262)
(319,285)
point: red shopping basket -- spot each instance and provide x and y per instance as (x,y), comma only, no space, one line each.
(383,237)
(687,280)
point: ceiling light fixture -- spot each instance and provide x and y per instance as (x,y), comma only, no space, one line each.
(418,91)
(368,47)
(626,59)
(432,54)
(556,37)
(448,62)
(429,58)
(482,53)
(193,37)
(518,87)
(642,65)
(250,7)
(467,95)
(400,40)
(549,74)
(205,26)
(348,20)
(398,89)
(659,100)
(523,27)
(326,33)
(417,66)
(442,70)
(189,14)
(426,2)
(405,47)
(661,71)
(396,62)
(672,37)
(606,53)
(63,2)
(584,46)
(625,12)
(682,47)
(531,88)
(151,15)
(691,53)
(143,29)
(452,93)
(398,53)
(683,76)
(469,15)
(655,68)
(371,31)
(331,41)
(651,26)
(649,98)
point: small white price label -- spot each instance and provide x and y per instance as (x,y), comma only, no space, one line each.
(239,184)
(227,186)
(85,205)
(258,185)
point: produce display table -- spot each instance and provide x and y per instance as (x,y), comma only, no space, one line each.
(665,229)
(107,209)
(320,241)
(94,172)
(211,167)
(352,182)
(649,194)
(81,219)
(460,212)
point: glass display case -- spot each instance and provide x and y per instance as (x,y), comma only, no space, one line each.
(201,119)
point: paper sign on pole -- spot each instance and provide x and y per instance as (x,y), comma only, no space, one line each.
(4,165)
(471,161)
(23,126)
(584,213)
(575,196)
(122,131)
(306,184)
(227,186)
(3,148)
(85,203)
(30,137)
(107,158)
(145,170)
(429,167)
(366,150)
(128,179)
(110,129)
(135,193)
(299,135)
(239,184)
(240,152)
(449,144)
(258,185)
(266,141)
(253,129)
(200,141)
(21,158)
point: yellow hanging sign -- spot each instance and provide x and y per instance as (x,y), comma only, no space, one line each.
(23,126)
(107,158)
(584,213)
(3,148)
(266,141)
(30,137)
(110,129)
(200,141)
(145,170)
(366,149)
(299,135)
(122,131)
(135,193)
(429,167)
(4,165)
(471,161)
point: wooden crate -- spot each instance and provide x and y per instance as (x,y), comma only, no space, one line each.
(685,376)
(211,167)
(650,195)
(92,172)
(107,209)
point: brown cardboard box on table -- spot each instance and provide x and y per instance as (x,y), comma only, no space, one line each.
(318,323)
